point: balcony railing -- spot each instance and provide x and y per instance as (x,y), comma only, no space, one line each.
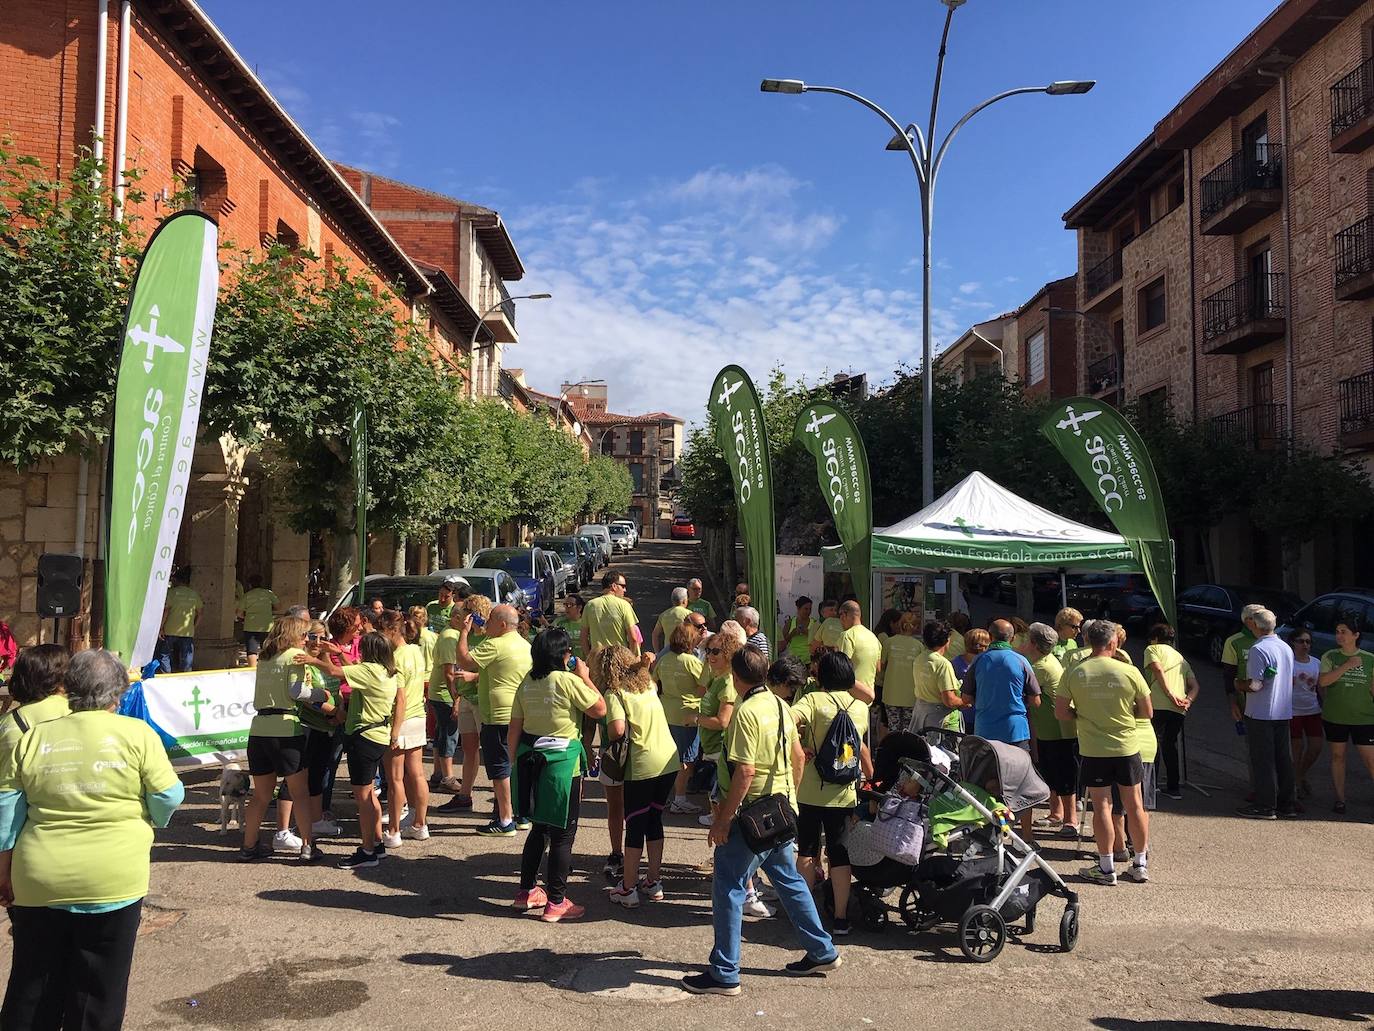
(1350,98)
(1251,299)
(1258,167)
(1104,374)
(507,305)
(1102,275)
(1357,410)
(505,385)
(1354,256)
(1258,426)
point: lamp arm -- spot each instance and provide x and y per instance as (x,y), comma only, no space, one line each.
(944,146)
(918,158)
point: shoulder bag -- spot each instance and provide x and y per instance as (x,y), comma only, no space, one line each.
(615,757)
(769,821)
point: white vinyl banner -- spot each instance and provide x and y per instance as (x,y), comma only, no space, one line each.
(207,713)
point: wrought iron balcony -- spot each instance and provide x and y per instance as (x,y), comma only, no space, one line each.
(1355,261)
(1357,412)
(1104,375)
(501,320)
(1242,190)
(1102,276)
(1240,317)
(1260,427)
(1352,110)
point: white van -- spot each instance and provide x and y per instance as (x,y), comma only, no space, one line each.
(602,533)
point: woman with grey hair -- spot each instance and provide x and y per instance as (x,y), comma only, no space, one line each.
(76,827)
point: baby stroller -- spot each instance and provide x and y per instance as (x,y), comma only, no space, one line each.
(975,871)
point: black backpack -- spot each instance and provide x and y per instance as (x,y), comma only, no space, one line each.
(837,758)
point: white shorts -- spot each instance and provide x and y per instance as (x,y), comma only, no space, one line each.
(412,734)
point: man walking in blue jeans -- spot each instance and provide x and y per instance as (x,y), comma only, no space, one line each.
(761,756)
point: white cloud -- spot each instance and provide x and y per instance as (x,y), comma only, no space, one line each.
(656,291)
(970,288)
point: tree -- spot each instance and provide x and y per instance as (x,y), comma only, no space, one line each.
(609,489)
(66,267)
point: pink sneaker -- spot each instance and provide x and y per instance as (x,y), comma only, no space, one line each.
(532,899)
(565,910)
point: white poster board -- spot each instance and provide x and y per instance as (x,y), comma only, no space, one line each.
(207,713)
(798,575)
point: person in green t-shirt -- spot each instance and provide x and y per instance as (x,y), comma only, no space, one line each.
(859,643)
(76,830)
(1234,651)
(37,686)
(1055,743)
(546,718)
(571,623)
(825,632)
(670,619)
(405,760)
(1347,678)
(900,653)
(609,619)
(796,631)
(375,710)
(1107,698)
(500,662)
(697,603)
(1173,687)
(439,613)
(824,806)
(259,605)
(938,699)
(677,674)
(634,708)
(180,617)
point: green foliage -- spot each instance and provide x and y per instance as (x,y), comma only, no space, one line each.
(65,269)
(609,488)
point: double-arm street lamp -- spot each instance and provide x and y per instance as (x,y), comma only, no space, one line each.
(926,159)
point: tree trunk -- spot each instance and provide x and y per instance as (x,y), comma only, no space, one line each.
(1025,597)
(345,561)
(398,557)
(1291,550)
(1204,537)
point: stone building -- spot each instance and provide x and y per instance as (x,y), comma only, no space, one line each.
(1036,344)
(647,445)
(1226,265)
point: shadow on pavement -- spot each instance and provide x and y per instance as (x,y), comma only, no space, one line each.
(1122,1024)
(1318,1002)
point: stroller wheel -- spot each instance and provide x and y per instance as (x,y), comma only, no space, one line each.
(1068,928)
(914,915)
(874,913)
(982,933)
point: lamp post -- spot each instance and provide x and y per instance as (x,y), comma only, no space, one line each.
(481,321)
(926,160)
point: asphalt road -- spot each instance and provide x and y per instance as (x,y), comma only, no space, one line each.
(1243,925)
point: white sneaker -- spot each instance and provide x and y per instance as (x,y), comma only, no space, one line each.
(768,893)
(420,833)
(683,808)
(621,897)
(286,841)
(753,906)
(391,840)
(706,820)
(1136,872)
(386,815)
(325,829)
(653,892)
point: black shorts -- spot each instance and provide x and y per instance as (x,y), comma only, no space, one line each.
(252,641)
(1059,765)
(320,750)
(1339,733)
(495,753)
(1100,771)
(282,756)
(364,759)
(834,820)
(1149,789)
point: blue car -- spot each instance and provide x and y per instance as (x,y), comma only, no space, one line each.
(532,571)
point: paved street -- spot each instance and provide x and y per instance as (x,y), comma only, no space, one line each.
(1243,924)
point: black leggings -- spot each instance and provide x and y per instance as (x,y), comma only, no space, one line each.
(644,803)
(557,840)
(70,970)
(1168,726)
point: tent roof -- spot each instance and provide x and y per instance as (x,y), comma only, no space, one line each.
(981,525)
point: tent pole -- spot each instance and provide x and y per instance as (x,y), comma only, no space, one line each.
(1063,590)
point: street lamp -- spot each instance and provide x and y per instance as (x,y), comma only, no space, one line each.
(926,161)
(481,321)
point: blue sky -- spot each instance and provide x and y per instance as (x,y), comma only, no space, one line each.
(681,218)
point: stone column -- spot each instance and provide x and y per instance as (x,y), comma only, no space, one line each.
(211,532)
(290,564)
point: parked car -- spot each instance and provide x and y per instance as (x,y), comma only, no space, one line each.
(1320,615)
(1044,590)
(602,534)
(1210,613)
(531,569)
(1121,597)
(620,537)
(401,592)
(683,529)
(576,564)
(593,546)
(634,531)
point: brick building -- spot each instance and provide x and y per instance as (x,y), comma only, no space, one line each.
(165,93)
(1036,344)
(1226,263)
(647,445)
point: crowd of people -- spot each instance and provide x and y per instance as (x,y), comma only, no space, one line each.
(702,706)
